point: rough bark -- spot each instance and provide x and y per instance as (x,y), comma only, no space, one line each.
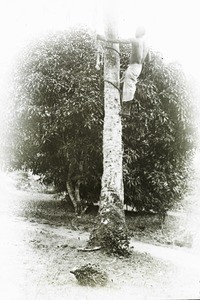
(111,232)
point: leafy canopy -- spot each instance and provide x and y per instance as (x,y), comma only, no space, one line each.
(59,117)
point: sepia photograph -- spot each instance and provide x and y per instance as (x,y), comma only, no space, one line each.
(99,149)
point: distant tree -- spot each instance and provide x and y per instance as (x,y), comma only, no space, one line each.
(58,117)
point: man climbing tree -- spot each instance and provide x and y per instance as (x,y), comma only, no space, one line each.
(139,52)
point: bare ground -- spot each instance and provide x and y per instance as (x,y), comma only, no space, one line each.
(37,254)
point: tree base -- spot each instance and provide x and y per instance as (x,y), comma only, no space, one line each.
(111,234)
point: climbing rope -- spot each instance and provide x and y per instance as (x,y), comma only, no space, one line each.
(111,48)
(100,59)
(105,80)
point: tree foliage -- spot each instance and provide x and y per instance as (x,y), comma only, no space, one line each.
(59,115)
(59,109)
(159,140)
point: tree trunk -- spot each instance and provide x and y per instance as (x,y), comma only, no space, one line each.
(70,190)
(78,198)
(111,232)
(74,190)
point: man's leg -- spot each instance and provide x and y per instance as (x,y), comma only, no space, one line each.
(129,87)
(126,108)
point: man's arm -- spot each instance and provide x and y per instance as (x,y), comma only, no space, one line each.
(121,41)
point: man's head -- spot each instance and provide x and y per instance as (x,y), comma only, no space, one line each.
(140,32)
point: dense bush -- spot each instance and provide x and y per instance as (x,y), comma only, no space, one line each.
(159,140)
(58,111)
(59,115)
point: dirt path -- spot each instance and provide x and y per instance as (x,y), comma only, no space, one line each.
(182,257)
(179,257)
(35,260)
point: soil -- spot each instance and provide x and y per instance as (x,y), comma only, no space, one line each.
(40,237)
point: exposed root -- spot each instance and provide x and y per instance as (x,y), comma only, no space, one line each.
(89,249)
